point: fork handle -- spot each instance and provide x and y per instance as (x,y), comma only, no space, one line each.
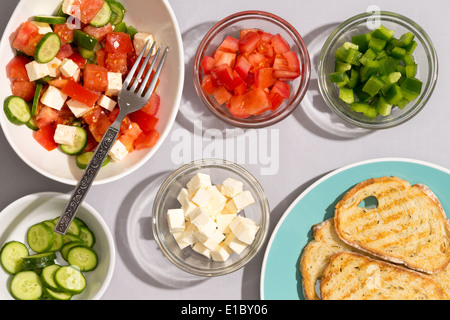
(88,177)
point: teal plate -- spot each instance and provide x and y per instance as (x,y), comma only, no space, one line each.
(280,277)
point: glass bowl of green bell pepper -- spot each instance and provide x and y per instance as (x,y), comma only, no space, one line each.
(377,70)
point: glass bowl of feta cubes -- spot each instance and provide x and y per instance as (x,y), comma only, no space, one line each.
(210,217)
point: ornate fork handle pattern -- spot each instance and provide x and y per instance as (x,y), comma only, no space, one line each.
(85,183)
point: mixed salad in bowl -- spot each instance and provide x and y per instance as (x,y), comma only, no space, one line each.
(66,75)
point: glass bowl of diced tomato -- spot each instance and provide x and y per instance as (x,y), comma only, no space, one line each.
(396,70)
(252,69)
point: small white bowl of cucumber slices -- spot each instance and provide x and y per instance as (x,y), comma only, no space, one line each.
(38,263)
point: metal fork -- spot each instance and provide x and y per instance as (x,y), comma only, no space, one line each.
(132,97)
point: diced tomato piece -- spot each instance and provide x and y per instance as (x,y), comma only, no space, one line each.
(44,136)
(225,76)
(78,92)
(286,74)
(243,32)
(240,89)
(256,101)
(95,77)
(266,49)
(265,36)
(24,89)
(237,108)
(276,100)
(118,42)
(59,82)
(99,125)
(27,38)
(250,79)
(101,57)
(249,42)
(280,63)
(152,105)
(258,60)
(208,64)
(86,10)
(229,44)
(46,116)
(93,114)
(64,31)
(223,57)
(242,66)
(209,85)
(279,44)
(222,95)
(65,115)
(65,51)
(130,135)
(264,78)
(146,140)
(145,121)
(78,59)
(117,62)
(282,88)
(91,142)
(99,33)
(292,60)
(15,69)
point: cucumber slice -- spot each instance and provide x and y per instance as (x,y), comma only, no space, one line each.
(37,96)
(47,48)
(69,245)
(57,295)
(50,19)
(26,285)
(70,280)
(32,124)
(27,266)
(11,256)
(17,110)
(39,258)
(83,257)
(40,237)
(57,238)
(87,236)
(84,40)
(78,146)
(83,159)
(117,13)
(103,16)
(48,276)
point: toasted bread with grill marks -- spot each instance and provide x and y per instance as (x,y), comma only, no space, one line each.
(316,255)
(408,227)
(354,276)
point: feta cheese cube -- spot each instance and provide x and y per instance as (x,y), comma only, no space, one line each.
(53,98)
(202,197)
(36,70)
(53,67)
(244,229)
(180,240)
(223,221)
(231,187)
(234,243)
(76,76)
(78,108)
(106,103)
(68,68)
(188,208)
(183,197)
(221,253)
(114,84)
(213,241)
(200,248)
(65,134)
(197,181)
(43,27)
(217,201)
(118,151)
(230,208)
(139,41)
(243,200)
(175,218)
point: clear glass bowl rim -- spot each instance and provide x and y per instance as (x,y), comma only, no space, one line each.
(305,60)
(382,15)
(264,222)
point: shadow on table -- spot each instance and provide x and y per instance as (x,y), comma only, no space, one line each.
(136,243)
(253,271)
(322,120)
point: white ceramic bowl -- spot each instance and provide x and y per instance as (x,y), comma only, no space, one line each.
(155,17)
(16,218)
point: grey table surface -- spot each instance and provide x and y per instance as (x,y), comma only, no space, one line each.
(288,157)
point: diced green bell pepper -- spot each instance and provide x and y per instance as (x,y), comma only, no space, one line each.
(383,33)
(371,67)
(411,88)
(353,57)
(390,80)
(411,70)
(398,52)
(354,79)
(373,85)
(340,66)
(383,107)
(369,55)
(371,112)
(388,65)
(337,77)
(404,41)
(361,95)
(362,41)
(359,107)
(377,44)
(408,59)
(346,95)
(394,94)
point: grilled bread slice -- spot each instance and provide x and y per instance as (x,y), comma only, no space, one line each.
(408,226)
(354,276)
(316,255)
